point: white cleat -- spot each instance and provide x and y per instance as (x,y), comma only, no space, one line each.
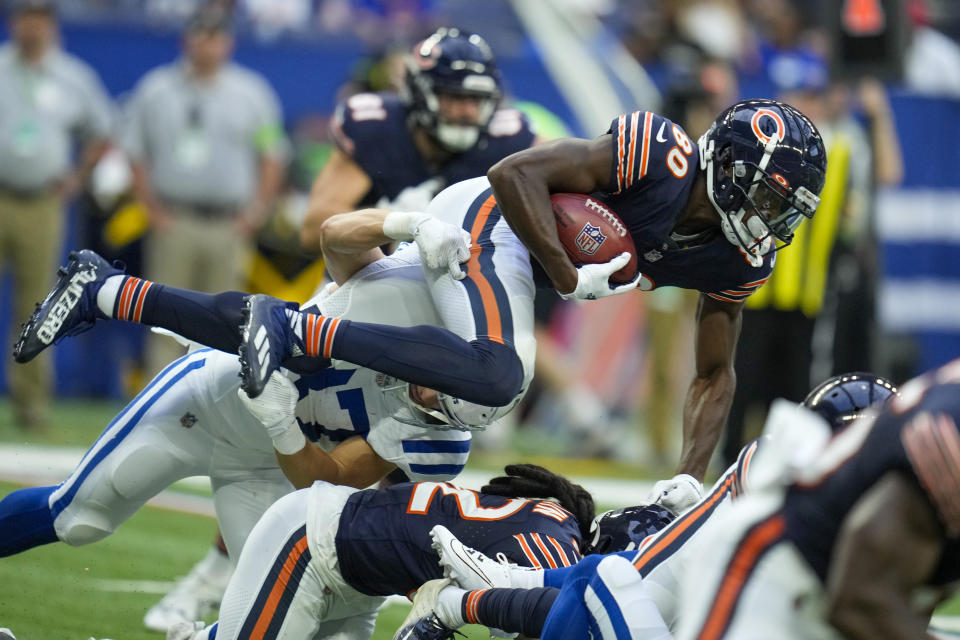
(467,567)
(187,631)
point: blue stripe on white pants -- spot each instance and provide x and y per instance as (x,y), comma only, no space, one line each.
(123,424)
(618,605)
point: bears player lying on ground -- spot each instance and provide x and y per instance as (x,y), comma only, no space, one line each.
(321,560)
(628,595)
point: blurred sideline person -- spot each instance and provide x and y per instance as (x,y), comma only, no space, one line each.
(330,555)
(633,594)
(398,151)
(50,101)
(206,143)
(862,544)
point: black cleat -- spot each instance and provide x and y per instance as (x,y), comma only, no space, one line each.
(70,307)
(266,340)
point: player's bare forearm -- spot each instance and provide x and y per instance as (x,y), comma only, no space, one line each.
(711,392)
(339,187)
(352,463)
(889,545)
(704,415)
(350,241)
(523,182)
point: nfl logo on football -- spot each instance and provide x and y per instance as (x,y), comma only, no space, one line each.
(590,239)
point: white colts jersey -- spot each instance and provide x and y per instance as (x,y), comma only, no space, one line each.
(345,400)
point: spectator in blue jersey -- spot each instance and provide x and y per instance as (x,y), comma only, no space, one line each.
(322,560)
(401,150)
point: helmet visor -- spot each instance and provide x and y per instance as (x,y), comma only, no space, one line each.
(776,206)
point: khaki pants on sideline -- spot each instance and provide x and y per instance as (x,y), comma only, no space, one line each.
(31,236)
(200,253)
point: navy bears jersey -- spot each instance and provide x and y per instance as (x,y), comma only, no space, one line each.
(383,539)
(917,436)
(655,166)
(371,128)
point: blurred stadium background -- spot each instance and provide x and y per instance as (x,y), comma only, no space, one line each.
(884,294)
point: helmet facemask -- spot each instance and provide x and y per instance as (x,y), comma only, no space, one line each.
(431,73)
(757,207)
(452,413)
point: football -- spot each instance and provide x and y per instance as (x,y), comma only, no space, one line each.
(592,233)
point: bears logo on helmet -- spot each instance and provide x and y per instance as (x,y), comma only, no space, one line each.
(765,165)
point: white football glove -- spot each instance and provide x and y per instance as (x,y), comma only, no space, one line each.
(593,280)
(677,494)
(276,408)
(442,245)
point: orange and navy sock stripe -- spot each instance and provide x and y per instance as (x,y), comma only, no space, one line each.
(266,615)
(488,297)
(754,545)
(470,606)
(133,294)
(319,333)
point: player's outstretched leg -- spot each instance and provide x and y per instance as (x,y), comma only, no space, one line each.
(70,307)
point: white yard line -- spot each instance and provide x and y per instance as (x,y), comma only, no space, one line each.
(41,465)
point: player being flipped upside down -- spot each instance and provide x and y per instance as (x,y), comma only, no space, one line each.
(645,168)
(321,560)
(760,166)
(353,425)
(707,217)
(634,594)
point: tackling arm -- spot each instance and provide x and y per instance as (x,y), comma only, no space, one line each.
(889,544)
(711,391)
(350,241)
(523,182)
(352,463)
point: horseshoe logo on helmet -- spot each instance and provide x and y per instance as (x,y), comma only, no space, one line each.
(755,125)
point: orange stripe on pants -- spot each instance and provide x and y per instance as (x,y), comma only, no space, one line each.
(266,616)
(490,308)
(741,566)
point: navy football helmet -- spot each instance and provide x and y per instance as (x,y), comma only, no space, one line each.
(842,399)
(624,529)
(455,62)
(762,157)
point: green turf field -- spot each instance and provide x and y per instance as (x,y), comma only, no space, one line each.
(58,592)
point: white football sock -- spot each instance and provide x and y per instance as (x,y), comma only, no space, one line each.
(449,606)
(107,296)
